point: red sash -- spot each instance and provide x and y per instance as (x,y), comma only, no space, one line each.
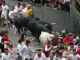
(47,53)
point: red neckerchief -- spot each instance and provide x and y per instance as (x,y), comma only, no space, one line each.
(26,45)
(39,55)
(5,4)
(75,54)
(61,56)
(5,53)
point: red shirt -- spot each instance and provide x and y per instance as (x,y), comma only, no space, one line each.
(78,51)
(68,40)
(7,41)
(5,37)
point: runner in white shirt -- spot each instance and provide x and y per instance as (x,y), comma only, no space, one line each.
(39,55)
(6,55)
(19,46)
(12,51)
(62,57)
(56,57)
(74,56)
(71,47)
(26,51)
(4,12)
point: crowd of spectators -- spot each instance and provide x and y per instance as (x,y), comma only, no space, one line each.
(66,49)
(59,4)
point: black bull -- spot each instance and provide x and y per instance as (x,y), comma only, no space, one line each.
(33,24)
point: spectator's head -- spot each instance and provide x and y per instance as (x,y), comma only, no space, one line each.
(67,35)
(57,53)
(18,4)
(74,34)
(11,9)
(6,32)
(6,51)
(61,43)
(28,6)
(74,51)
(62,48)
(71,45)
(2,40)
(19,57)
(39,50)
(27,42)
(3,2)
(11,46)
(19,41)
(60,53)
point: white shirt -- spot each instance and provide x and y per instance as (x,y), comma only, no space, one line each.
(6,57)
(76,39)
(0,39)
(26,51)
(5,9)
(19,47)
(74,57)
(12,13)
(41,58)
(13,53)
(75,47)
(16,8)
(23,11)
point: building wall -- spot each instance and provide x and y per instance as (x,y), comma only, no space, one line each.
(75,16)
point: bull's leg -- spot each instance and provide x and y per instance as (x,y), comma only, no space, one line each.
(18,30)
(21,29)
